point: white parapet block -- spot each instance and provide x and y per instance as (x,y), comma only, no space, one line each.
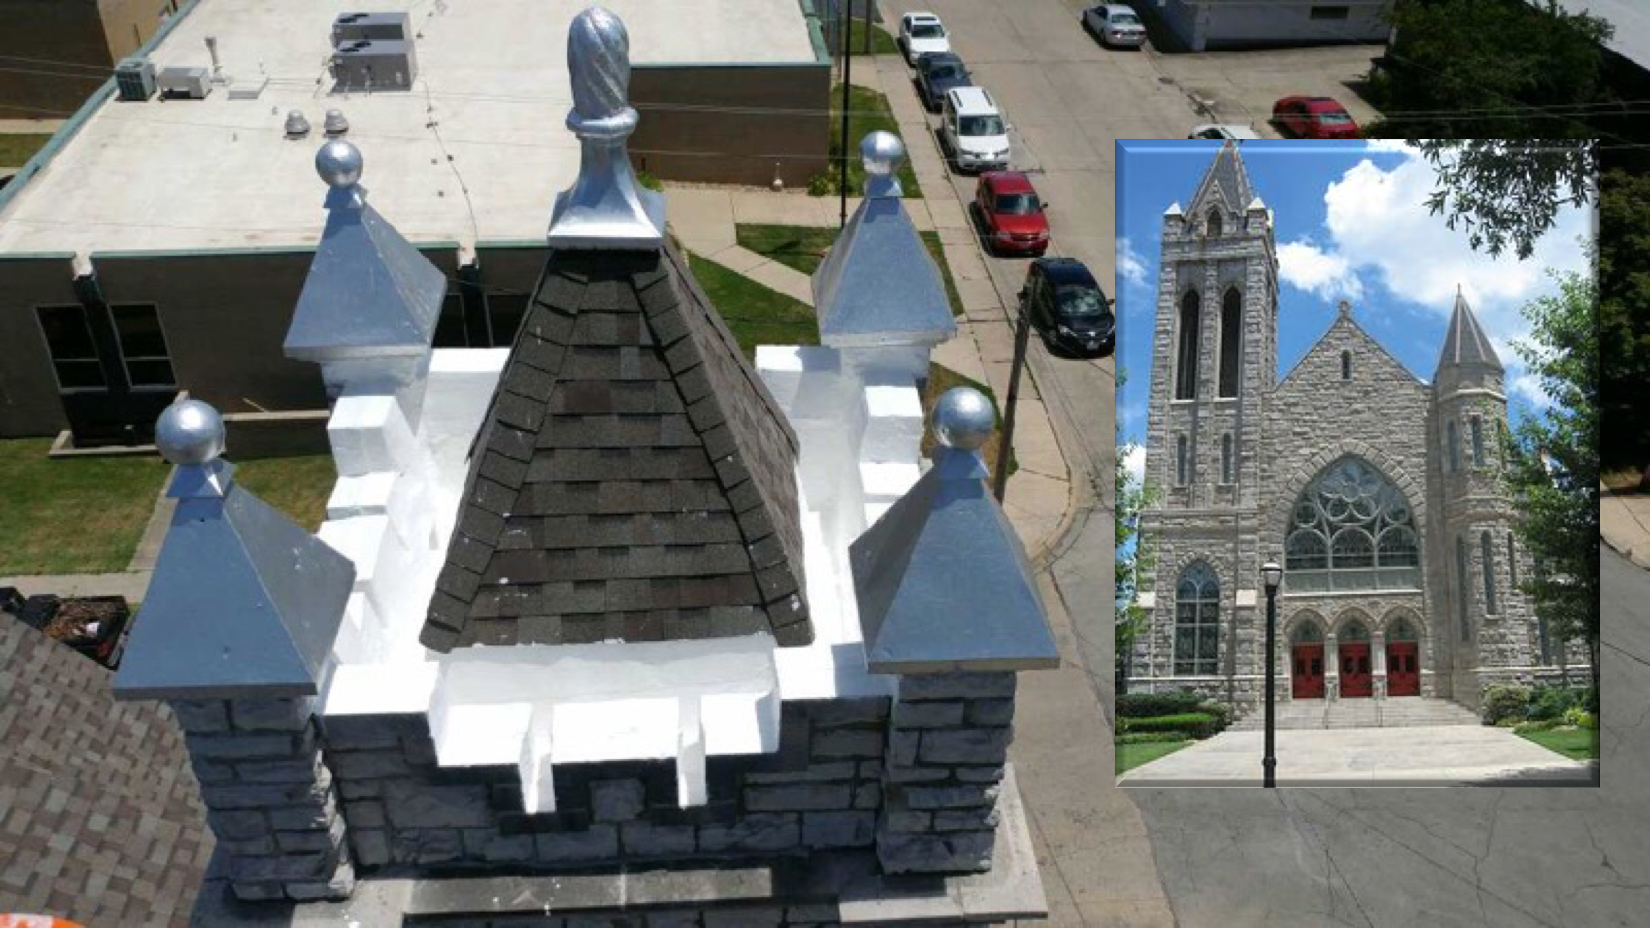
(361,495)
(893,424)
(370,433)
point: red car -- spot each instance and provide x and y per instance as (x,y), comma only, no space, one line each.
(1011,213)
(1314,118)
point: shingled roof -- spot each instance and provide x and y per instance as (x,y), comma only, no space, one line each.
(1227,175)
(1465,343)
(632,480)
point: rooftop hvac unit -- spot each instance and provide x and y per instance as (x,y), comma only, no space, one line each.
(374,64)
(194,83)
(135,78)
(352,27)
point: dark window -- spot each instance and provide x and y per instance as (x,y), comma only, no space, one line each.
(1489,573)
(1197,621)
(1461,584)
(1512,562)
(1454,441)
(1330,12)
(1214,223)
(143,345)
(1181,463)
(504,315)
(1346,365)
(69,339)
(1477,425)
(1226,458)
(449,326)
(1185,387)
(1231,341)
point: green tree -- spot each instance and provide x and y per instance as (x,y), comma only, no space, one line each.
(1135,556)
(1555,463)
(1624,323)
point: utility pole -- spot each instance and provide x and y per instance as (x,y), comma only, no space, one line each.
(1005,441)
(847,74)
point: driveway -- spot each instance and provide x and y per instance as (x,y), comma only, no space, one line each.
(1449,755)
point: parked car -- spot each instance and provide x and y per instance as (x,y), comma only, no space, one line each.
(1067,307)
(921,34)
(1115,25)
(937,73)
(973,131)
(1011,213)
(1222,132)
(1314,118)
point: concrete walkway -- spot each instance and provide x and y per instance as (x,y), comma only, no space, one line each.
(1450,755)
(1624,523)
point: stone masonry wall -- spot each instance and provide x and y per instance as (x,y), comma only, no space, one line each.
(821,790)
(270,801)
(947,742)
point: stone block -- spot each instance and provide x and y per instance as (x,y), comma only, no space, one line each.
(798,797)
(419,750)
(897,774)
(617,800)
(313,839)
(276,771)
(758,831)
(368,765)
(271,714)
(966,746)
(836,713)
(360,732)
(212,771)
(747,917)
(641,839)
(868,796)
(956,686)
(201,715)
(815,773)
(416,805)
(838,829)
(262,796)
(361,789)
(371,847)
(948,797)
(675,918)
(234,826)
(990,711)
(976,819)
(426,845)
(241,747)
(847,742)
(823,912)
(597,843)
(339,887)
(956,852)
(907,821)
(248,847)
(508,848)
(257,892)
(305,816)
(988,774)
(902,748)
(364,814)
(282,867)
(936,714)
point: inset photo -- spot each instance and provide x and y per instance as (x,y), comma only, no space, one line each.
(1357,450)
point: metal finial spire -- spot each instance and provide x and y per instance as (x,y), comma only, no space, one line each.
(190,434)
(882,153)
(339,163)
(605,207)
(963,420)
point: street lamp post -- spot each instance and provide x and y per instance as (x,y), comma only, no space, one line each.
(1273,575)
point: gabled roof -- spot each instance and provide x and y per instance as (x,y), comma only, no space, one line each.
(1345,319)
(879,285)
(633,479)
(1465,343)
(1225,179)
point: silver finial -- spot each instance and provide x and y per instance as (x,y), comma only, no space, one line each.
(190,432)
(335,123)
(598,57)
(882,153)
(339,163)
(963,419)
(296,125)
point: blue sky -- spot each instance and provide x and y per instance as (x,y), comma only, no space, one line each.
(1351,223)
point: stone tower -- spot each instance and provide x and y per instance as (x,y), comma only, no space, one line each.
(1214,361)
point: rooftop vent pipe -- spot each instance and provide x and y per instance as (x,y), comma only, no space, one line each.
(336,124)
(297,126)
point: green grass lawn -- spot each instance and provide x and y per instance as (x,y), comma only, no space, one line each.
(756,314)
(1574,743)
(868,112)
(803,248)
(298,486)
(17,149)
(80,515)
(882,42)
(1130,756)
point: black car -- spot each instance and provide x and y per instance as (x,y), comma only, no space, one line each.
(937,73)
(1068,308)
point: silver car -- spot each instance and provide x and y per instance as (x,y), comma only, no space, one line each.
(1115,25)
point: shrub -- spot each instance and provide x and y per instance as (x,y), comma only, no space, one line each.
(1580,718)
(1142,705)
(1589,699)
(1222,713)
(1551,702)
(1196,724)
(1150,737)
(827,183)
(1502,702)
(1543,725)
(650,181)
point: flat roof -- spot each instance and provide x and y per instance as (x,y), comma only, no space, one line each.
(491,92)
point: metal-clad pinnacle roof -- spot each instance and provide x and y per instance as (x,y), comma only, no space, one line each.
(942,580)
(1227,176)
(243,601)
(369,291)
(1174,210)
(1465,342)
(878,285)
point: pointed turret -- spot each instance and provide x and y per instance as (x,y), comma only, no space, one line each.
(1226,182)
(1465,343)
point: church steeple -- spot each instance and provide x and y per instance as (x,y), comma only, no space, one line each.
(1226,182)
(1465,344)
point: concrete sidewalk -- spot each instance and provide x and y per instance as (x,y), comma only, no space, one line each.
(1624,524)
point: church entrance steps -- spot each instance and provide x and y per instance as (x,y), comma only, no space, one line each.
(1400,712)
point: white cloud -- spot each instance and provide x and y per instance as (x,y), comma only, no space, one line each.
(1527,386)
(1305,266)
(1131,267)
(1134,462)
(1394,146)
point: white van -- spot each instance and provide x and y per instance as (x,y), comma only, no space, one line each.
(973,130)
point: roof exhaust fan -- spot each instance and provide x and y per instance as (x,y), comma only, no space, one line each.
(336,124)
(297,126)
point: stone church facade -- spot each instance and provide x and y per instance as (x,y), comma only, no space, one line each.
(1383,496)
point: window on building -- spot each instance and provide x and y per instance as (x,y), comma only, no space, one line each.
(1214,222)
(143,345)
(69,341)
(1185,385)
(1488,552)
(449,326)
(1226,468)
(1197,622)
(504,314)
(1543,640)
(1512,562)
(1231,341)
(1182,461)
(1454,442)
(1331,12)
(1477,426)
(1461,584)
(1346,365)
(1352,529)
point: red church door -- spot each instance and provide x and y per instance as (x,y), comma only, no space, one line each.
(1355,677)
(1402,676)
(1306,682)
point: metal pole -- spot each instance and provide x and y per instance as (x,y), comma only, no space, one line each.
(847,79)
(1270,762)
(870,13)
(1022,332)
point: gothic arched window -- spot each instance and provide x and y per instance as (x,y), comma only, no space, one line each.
(1231,341)
(1401,630)
(1197,621)
(1477,425)
(1346,365)
(1182,468)
(1352,529)
(1214,222)
(1185,384)
(1512,562)
(1488,552)
(1461,584)
(1226,458)
(1454,442)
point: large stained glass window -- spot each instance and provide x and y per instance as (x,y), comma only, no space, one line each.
(1197,622)
(1352,530)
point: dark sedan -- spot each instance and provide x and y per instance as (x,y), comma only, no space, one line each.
(1068,308)
(937,73)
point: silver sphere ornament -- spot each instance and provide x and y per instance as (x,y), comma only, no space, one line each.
(339,163)
(882,153)
(963,419)
(190,432)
